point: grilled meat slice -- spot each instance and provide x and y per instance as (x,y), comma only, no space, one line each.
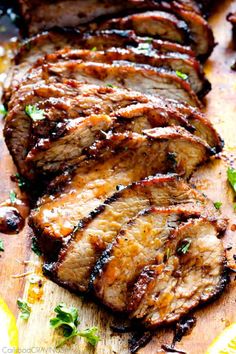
(37,146)
(159,24)
(48,42)
(182,65)
(122,74)
(201,34)
(188,117)
(94,233)
(130,157)
(61,103)
(40,15)
(140,243)
(193,273)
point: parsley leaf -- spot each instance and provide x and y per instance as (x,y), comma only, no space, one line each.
(231,174)
(184,247)
(20,180)
(91,335)
(35,113)
(35,247)
(12,196)
(1,246)
(143,46)
(24,308)
(181,75)
(67,319)
(3,110)
(217,205)
(94,49)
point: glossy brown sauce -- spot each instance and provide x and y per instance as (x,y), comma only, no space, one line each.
(11,221)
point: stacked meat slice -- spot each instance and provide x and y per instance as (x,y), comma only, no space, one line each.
(111,119)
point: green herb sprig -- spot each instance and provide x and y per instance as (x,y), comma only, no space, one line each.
(35,113)
(67,320)
(184,248)
(218,205)
(231,174)
(24,309)
(181,75)
(12,196)
(1,246)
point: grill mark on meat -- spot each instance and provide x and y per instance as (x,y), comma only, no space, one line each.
(92,235)
(171,61)
(121,74)
(128,159)
(65,101)
(139,243)
(153,24)
(157,295)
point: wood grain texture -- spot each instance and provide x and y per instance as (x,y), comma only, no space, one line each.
(211,179)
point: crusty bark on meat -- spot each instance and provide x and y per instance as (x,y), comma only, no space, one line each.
(201,34)
(130,158)
(144,55)
(39,147)
(36,47)
(77,260)
(194,272)
(139,243)
(157,24)
(121,74)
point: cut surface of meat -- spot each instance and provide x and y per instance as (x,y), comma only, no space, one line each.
(36,146)
(193,273)
(139,243)
(76,261)
(158,24)
(180,64)
(48,42)
(130,158)
(122,74)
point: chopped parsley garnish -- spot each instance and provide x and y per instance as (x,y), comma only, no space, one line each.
(67,320)
(110,85)
(217,205)
(35,247)
(94,49)
(12,196)
(3,110)
(149,40)
(1,246)
(24,309)
(20,180)
(184,247)
(35,113)
(182,76)
(144,46)
(231,174)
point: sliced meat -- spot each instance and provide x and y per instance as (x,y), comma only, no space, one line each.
(76,261)
(36,47)
(37,146)
(182,65)
(139,243)
(61,103)
(122,74)
(157,24)
(201,34)
(130,157)
(191,119)
(193,273)
(41,15)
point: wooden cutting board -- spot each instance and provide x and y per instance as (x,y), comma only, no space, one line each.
(211,179)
